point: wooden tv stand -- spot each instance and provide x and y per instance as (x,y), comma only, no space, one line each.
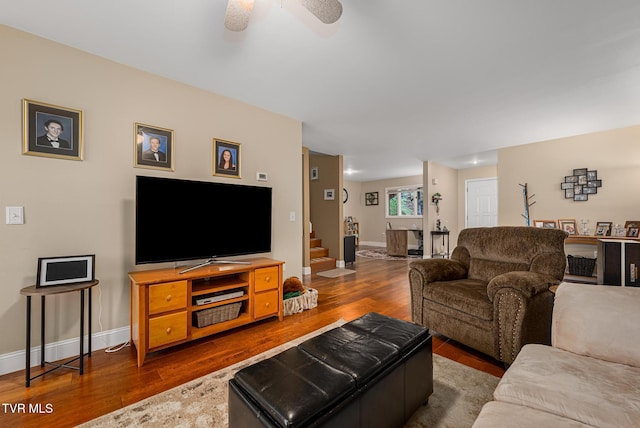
(163,308)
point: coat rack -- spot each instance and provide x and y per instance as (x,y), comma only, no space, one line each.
(526,197)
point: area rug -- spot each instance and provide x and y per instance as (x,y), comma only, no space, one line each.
(459,394)
(335,273)
(382,254)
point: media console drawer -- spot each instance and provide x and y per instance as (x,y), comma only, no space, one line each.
(167,296)
(165,329)
(267,278)
(266,303)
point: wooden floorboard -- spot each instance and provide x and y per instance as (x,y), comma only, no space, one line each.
(112,380)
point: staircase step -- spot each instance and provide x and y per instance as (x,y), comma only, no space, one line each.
(315,242)
(322,263)
(312,234)
(318,252)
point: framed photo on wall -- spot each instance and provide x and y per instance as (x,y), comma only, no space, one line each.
(51,131)
(226,158)
(153,147)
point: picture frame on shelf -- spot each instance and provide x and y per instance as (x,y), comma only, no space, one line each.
(227,158)
(51,131)
(568,225)
(603,228)
(545,224)
(152,147)
(65,270)
(632,228)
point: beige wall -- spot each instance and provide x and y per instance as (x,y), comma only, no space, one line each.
(326,215)
(614,154)
(373,221)
(87,207)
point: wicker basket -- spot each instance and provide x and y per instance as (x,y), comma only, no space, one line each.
(215,315)
(582,266)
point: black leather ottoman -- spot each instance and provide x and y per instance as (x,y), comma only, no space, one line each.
(372,372)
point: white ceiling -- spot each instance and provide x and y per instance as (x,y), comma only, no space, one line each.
(392,83)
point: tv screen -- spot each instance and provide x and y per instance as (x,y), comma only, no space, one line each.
(188,220)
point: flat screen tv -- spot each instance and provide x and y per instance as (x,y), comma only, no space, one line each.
(179,220)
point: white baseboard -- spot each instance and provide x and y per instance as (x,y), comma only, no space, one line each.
(69,348)
(340,264)
(306,270)
(373,243)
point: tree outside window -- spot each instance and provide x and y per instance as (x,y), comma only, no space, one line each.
(404,202)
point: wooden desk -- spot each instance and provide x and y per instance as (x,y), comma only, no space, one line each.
(49,291)
(398,242)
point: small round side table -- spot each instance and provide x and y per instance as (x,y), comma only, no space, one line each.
(49,291)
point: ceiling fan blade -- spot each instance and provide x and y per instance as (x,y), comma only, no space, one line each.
(327,11)
(238,13)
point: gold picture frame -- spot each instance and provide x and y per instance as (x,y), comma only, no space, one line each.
(227,158)
(51,131)
(153,147)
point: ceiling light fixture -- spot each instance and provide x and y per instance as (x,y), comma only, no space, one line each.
(239,11)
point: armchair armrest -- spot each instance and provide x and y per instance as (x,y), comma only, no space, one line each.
(526,282)
(431,270)
(598,321)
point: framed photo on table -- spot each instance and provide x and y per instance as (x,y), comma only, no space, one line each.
(65,270)
(226,158)
(153,147)
(569,225)
(545,224)
(51,131)
(632,228)
(603,228)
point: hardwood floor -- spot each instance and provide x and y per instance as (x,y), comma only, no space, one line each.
(113,380)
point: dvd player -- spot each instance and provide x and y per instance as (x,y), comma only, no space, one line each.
(218,297)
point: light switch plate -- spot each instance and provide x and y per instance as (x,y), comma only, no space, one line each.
(15,215)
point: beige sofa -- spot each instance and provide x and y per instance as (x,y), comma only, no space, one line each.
(589,377)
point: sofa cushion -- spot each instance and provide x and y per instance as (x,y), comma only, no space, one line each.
(498,414)
(592,391)
(585,322)
(468,296)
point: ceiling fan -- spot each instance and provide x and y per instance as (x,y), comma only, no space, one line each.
(238,12)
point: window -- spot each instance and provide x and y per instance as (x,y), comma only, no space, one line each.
(404,202)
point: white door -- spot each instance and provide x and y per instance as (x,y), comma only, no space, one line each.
(482,202)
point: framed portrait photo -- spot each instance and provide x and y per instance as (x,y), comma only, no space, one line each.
(153,147)
(569,225)
(632,227)
(65,270)
(51,131)
(226,158)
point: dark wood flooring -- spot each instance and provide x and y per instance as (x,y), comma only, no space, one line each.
(113,380)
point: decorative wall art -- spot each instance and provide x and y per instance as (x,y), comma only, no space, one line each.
(153,147)
(371,198)
(314,173)
(51,131)
(581,184)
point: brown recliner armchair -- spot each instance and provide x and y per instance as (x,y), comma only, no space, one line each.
(493,294)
